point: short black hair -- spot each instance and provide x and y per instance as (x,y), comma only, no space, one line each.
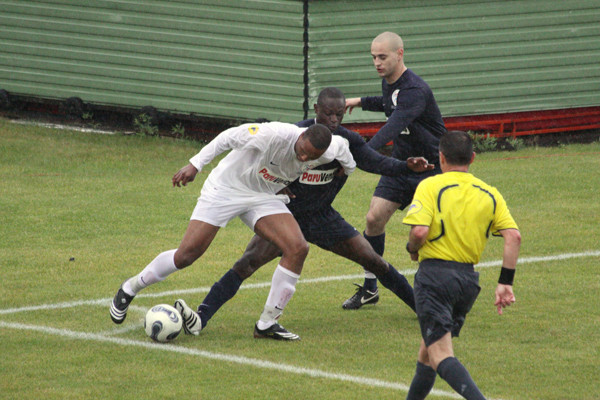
(319,136)
(330,93)
(457,147)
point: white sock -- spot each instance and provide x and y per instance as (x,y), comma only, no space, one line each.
(283,286)
(369,275)
(161,267)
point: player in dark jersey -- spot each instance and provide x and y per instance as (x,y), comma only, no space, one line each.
(414,126)
(311,198)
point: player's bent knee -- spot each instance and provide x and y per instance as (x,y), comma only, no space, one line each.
(375,222)
(298,249)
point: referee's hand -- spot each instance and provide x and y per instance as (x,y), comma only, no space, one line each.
(504,297)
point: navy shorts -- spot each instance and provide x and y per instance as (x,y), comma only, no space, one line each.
(400,189)
(325,227)
(445,291)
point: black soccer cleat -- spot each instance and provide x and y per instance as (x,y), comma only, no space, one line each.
(119,306)
(360,298)
(192,324)
(275,332)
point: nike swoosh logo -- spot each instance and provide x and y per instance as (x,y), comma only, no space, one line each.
(363,300)
(272,163)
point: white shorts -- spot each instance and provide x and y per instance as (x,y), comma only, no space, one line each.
(218,209)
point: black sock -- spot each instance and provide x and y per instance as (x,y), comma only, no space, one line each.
(377,242)
(219,294)
(397,283)
(457,376)
(370,284)
(422,383)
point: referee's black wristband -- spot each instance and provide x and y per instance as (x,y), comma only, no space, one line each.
(507,276)
(411,252)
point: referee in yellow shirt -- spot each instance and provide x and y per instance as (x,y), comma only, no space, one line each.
(451,217)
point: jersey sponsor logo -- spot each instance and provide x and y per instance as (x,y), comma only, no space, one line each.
(269,176)
(395,97)
(253,129)
(316,177)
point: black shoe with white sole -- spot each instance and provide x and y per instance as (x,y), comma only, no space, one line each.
(276,332)
(360,298)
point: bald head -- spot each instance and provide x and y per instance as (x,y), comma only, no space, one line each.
(387,51)
(392,41)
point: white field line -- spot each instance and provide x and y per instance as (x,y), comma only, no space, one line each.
(63,127)
(315,373)
(136,319)
(106,301)
(254,362)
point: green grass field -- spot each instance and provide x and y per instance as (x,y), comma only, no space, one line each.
(81,212)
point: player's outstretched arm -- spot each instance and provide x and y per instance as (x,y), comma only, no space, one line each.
(370,160)
(184,175)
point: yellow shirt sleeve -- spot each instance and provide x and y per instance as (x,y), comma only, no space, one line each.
(503,219)
(421,210)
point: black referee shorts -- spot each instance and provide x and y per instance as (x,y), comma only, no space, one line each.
(325,227)
(445,291)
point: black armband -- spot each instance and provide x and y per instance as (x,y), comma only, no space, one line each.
(507,276)
(408,249)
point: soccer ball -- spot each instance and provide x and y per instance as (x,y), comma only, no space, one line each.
(163,323)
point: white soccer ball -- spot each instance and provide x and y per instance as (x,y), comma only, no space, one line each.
(163,323)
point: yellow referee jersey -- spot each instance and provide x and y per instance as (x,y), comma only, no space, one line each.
(461,212)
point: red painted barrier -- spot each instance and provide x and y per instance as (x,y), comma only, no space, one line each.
(511,124)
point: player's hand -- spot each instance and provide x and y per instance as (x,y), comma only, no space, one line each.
(419,164)
(351,103)
(286,190)
(184,175)
(504,297)
(414,256)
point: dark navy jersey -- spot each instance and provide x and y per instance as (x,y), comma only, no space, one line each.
(318,187)
(414,122)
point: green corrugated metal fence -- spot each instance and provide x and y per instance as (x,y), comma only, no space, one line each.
(480,57)
(241,59)
(245,59)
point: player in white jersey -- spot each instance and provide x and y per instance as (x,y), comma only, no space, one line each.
(264,159)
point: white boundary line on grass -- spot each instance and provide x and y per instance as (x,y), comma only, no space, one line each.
(315,373)
(64,127)
(254,362)
(106,301)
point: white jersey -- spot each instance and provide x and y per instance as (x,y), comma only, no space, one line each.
(263,160)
